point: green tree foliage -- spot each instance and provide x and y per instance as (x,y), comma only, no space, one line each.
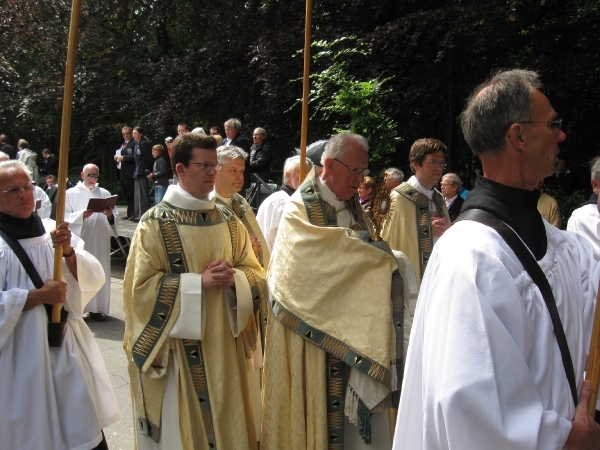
(155,63)
(353,105)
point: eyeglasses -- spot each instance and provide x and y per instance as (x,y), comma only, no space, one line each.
(92,175)
(556,124)
(208,166)
(355,171)
(14,191)
(433,162)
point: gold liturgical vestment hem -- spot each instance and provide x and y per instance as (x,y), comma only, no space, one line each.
(322,300)
(167,240)
(408,230)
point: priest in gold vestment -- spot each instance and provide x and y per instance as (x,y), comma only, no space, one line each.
(229,181)
(192,286)
(419,213)
(340,309)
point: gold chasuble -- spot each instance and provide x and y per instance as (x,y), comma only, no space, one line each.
(409,228)
(334,344)
(188,345)
(243,211)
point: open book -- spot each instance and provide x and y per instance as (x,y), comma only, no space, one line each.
(100,204)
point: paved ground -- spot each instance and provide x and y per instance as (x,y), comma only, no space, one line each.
(109,336)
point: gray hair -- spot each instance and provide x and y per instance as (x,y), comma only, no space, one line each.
(496,104)
(228,152)
(198,130)
(395,174)
(234,123)
(4,157)
(595,164)
(293,162)
(337,145)
(453,179)
(15,164)
(261,131)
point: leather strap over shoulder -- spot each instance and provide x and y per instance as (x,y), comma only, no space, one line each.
(537,275)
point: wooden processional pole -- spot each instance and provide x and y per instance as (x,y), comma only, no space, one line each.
(305,87)
(63,164)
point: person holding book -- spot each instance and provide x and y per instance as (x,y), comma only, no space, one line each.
(95,228)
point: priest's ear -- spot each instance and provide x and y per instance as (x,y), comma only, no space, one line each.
(516,136)
(595,185)
(179,169)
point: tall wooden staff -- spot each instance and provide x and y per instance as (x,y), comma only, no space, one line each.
(55,327)
(305,87)
(593,366)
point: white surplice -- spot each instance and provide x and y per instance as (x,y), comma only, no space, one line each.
(269,215)
(484,370)
(52,398)
(45,203)
(96,233)
(585,221)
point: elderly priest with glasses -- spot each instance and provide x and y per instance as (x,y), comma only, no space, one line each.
(51,397)
(337,331)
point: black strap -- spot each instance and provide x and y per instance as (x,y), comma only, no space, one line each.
(30,269)
(538,277)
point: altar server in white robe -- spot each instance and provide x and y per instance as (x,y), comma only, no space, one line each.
(585,220)
(484,369)
(52,398)
(45,205)
(95,229)
(271,209)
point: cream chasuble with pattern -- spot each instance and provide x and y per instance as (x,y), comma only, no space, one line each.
(187,345)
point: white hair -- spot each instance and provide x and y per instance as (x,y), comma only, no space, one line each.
(15,164)
(337,145)
(198,130)
(293,163)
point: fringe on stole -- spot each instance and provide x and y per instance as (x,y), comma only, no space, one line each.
(357,412)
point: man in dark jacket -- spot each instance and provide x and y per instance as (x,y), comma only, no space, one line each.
(450,184)
(49,164)
(5,147)
(127,168)
(260,155)
(144,161)
(232,131)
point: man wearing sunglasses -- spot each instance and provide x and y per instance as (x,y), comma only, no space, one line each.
(192,286)
(496,359)
(419,213)
(96,229)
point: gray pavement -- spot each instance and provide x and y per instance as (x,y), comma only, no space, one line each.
(109,336)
